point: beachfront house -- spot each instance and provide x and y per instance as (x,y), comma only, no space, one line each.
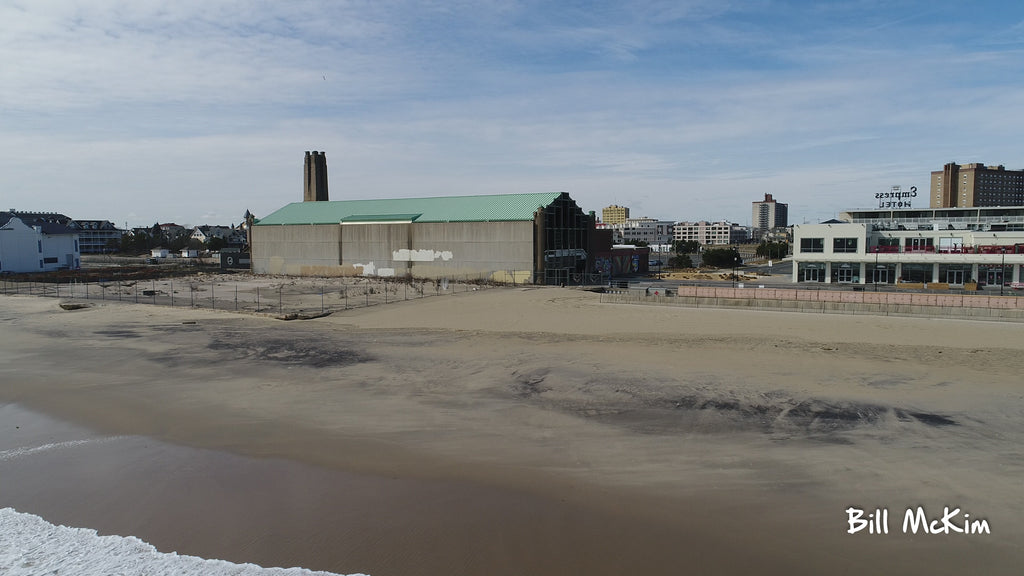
(37,242)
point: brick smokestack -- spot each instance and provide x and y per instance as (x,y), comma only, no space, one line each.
(314,178)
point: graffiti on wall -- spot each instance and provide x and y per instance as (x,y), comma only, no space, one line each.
(624,263)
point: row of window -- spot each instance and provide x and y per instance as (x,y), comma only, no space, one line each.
(886,274)
(839,245)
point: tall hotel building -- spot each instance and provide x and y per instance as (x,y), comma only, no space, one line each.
(976,185)
(767,215)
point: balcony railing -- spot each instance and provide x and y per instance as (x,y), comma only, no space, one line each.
(957,249)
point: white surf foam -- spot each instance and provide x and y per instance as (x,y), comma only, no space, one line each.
(30,546)
(29,450)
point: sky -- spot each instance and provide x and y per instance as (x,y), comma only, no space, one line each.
(194,111)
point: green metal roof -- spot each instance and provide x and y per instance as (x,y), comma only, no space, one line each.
(381,218)
(494,208)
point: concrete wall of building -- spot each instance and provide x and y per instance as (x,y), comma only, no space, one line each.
(298,250)
(497,251)
(20,249)
(369,248)
(60,251)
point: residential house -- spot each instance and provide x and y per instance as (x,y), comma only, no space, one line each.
(206,233)
(97,236)
(37,242)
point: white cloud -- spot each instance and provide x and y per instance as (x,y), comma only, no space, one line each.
(196,109)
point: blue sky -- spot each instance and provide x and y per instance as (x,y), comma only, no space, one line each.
(193,111)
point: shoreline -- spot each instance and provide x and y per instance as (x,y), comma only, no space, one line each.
(652,425)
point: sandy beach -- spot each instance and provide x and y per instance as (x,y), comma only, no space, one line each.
(520,431)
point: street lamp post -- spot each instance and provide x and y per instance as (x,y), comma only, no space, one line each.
(874,274)
(1002,271)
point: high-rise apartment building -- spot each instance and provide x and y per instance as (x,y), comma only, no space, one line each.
(768,214)
(614,214)
(976,185)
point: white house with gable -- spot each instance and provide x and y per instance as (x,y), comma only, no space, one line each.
(36,242)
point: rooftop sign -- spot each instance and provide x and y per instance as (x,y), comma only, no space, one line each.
(896,198)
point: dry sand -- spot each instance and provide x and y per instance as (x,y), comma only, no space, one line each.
(542,432)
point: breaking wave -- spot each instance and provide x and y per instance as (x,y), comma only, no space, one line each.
(30,546)
(29,450)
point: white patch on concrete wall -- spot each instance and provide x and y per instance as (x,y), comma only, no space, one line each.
(372,270)
(406,255)
(368,269)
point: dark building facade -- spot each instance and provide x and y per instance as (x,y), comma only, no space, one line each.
(976,185)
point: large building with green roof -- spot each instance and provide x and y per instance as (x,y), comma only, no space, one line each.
(540,238)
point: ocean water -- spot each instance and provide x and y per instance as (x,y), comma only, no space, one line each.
(59,471)
(31,546)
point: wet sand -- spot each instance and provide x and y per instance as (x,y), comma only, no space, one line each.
(521,431)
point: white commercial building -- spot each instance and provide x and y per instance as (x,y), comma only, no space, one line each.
(647,230)
(950,246)
(711,233)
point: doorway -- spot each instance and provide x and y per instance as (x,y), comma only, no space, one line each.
(994,277)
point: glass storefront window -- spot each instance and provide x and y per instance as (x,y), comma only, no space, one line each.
(845,272)
(954,274)
(916,273)
(811,272)
(880,273)
(989,275)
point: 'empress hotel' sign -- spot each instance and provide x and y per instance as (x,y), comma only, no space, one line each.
(896,198)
